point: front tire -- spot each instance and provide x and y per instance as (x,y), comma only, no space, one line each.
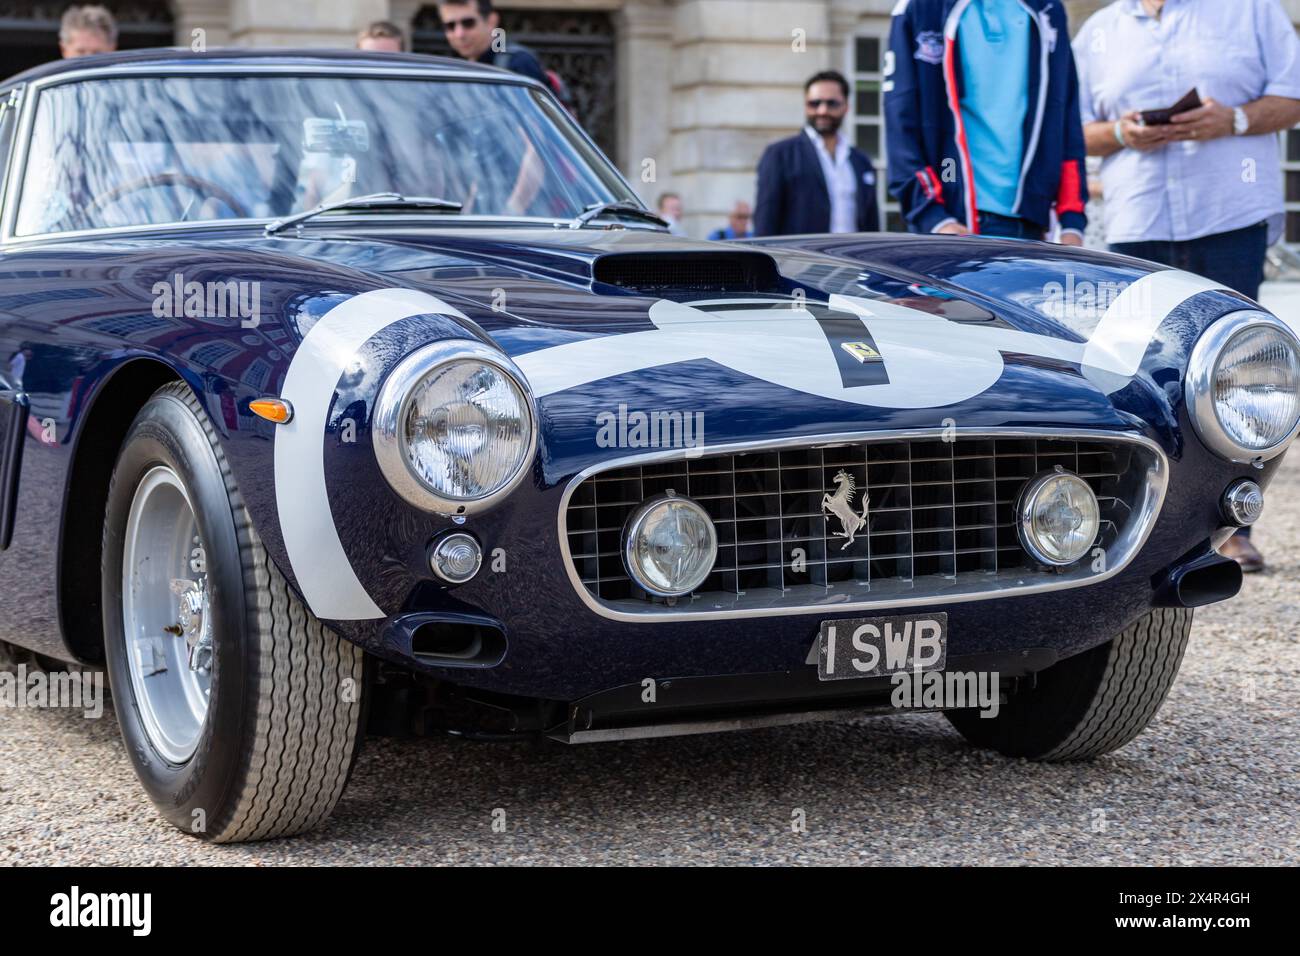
(1092,703)
(241,713)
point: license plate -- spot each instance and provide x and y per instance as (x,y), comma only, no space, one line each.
(880,646)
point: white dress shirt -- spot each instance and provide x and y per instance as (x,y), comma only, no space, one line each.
(1232,50)
(840,181)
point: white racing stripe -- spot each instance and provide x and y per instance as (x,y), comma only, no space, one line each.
(932,361)
(316,554)
(1130,323)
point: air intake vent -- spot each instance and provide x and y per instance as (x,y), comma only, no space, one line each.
(689,272)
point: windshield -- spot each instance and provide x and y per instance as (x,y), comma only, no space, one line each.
(139,151)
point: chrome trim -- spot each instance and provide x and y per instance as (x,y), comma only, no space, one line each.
(1198,386)
(390,408)
(16,161)
(682,728)
(13,100)
(435,72)
(163,67)
(633,528)
(1155,484)
(1025,517)
(257,227)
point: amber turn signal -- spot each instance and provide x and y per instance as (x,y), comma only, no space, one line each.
(272,409)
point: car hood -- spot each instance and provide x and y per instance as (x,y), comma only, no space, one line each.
(801,336)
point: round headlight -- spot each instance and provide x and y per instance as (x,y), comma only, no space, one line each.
(1058,517)
(1243,386)
(669,545)
(453,427)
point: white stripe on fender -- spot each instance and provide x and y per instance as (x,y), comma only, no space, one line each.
(942,363)
(315,552)
(1128,325)
(932,361)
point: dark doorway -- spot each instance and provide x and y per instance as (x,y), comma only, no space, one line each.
(29,31)
(577,45)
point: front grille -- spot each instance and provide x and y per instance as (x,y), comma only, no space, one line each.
(939,513)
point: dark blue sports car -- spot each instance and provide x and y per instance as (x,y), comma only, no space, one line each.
(348,392)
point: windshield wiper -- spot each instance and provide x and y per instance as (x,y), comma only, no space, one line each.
(374,201)
(621,206)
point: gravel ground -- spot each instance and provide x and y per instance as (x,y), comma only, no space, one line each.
(1212,781)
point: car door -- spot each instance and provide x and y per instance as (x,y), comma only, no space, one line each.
(14,403)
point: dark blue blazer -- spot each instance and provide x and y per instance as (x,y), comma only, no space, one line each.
(792,194)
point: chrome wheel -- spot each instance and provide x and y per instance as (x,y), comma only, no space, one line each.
(165,614)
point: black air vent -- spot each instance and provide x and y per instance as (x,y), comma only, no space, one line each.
(688,271)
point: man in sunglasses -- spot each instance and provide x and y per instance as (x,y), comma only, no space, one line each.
(474,31)
(816,181)
(982,119)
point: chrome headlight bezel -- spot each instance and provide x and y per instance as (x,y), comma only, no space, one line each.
(632,531)
(391,405)
(1198,385)
(1027,505)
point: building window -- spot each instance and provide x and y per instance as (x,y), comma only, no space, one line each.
(867,54)
(1291,178)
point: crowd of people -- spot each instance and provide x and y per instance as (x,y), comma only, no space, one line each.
(990,116)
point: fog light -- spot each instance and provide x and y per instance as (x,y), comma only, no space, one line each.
(456,558)
(669,545)
(1058,517)
(1243,502)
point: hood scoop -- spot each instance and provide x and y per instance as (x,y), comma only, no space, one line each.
(695,271)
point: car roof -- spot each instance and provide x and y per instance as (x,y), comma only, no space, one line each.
(179,58)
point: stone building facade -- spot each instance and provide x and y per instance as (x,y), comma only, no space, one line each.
(684,94)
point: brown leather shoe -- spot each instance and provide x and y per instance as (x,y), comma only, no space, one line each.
(1239,548)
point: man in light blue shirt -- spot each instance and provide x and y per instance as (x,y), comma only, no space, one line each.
(1203,193)
(981,107)
(993,36)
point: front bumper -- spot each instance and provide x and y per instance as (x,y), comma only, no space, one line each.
(553,645)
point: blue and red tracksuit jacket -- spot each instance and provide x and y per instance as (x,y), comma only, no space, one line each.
(929,161)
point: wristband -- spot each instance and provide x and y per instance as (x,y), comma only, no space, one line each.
(1119,133)
(1240,122)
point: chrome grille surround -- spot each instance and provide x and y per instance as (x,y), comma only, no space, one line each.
(764,497)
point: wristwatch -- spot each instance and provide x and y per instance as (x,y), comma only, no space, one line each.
(1240,121)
